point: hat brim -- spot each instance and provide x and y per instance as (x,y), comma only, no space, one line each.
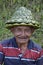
(9,26)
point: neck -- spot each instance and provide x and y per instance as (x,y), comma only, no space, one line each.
(23,47)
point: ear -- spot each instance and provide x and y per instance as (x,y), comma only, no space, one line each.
(32,29)
(12,30)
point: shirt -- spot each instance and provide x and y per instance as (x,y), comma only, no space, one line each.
(10,54)
(40,59)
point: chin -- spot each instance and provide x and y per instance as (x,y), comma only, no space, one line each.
(22,42)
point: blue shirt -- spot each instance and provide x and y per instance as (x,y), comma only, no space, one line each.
(10,53)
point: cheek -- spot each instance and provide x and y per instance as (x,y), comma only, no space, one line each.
(16,33)
(28,34)
(20,34)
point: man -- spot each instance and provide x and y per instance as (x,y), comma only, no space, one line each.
(20,50)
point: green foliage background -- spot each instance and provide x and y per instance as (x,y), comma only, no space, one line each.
(8,7)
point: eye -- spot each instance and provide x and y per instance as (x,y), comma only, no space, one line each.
(28,30)
(18,29)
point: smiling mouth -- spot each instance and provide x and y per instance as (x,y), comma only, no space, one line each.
(23,38)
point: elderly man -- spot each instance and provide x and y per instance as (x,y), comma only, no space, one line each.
(20,50)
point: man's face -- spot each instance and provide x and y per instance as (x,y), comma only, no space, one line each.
(22,33)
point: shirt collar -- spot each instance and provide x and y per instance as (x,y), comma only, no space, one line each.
(29,46)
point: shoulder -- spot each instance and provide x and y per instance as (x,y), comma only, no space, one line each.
(6,42)
(35,45)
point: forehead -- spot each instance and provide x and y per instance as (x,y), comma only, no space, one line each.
(22,27)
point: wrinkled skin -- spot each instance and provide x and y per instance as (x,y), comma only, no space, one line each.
(22,35)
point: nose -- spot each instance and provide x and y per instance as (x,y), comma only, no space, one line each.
(23,33)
